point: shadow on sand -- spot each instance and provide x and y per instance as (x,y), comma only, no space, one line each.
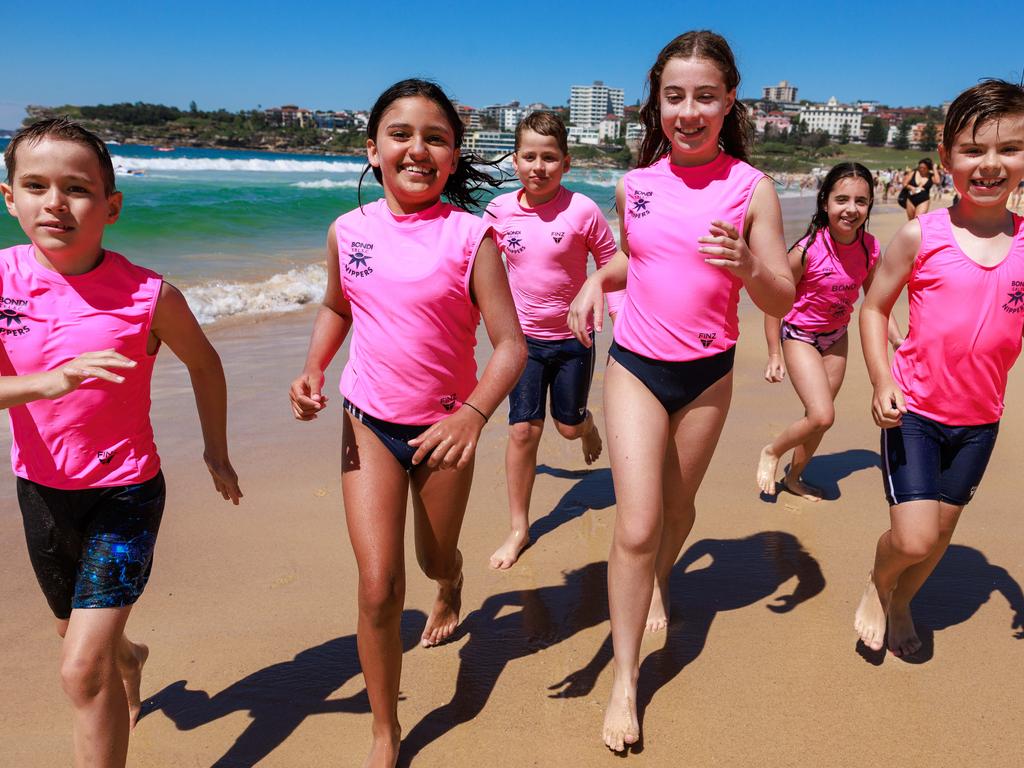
(741,572)
(962,582)
(279,697)
(827,470)
(593,491)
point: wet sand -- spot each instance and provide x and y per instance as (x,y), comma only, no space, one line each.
(250,612)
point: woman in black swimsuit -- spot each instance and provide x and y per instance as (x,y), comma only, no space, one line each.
(918,185)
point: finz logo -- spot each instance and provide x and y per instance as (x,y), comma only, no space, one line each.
(1015,298)
(358,260)
(12,321)
(105,456)
(639,203)
(514,241)
(706,339)
(557,236)
(448,402)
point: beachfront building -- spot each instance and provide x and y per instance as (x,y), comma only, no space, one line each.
(469,116)
(609,129)
(783,93)
(489,144)
(773,123)
(289,115)
(590,104)
(634,134)
(831,117)
(584,134)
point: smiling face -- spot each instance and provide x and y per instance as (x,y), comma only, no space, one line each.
(58,196)
(987,163)
(539,163)
(694,102)
(848,206)
(415,151)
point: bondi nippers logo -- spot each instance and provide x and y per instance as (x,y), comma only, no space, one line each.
(639,203)
(706,339)
(557,236)
(448,402)
(514,241)
(105,456)
(12,321)
(358,260)
(1015,298)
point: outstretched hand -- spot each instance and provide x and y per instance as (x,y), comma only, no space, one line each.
(451,442)
(225,481)
(92,365)
(726,249)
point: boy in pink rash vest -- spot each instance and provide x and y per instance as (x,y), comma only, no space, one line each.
(545,233)
(830,263)
(940,401)
(89,482)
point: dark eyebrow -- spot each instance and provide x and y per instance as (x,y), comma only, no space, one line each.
(64,177)
(408,126)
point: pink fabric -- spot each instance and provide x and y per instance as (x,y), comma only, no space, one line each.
(546,251)
(410,360)
(678,307)
(833,276)
(99,435)
(965,331)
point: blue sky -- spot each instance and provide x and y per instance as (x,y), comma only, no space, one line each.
(342,54)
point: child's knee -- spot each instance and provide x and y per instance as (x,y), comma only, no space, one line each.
(571,432)
(83,675)
(381,597)
(524,434)
(917,545)
(822,419)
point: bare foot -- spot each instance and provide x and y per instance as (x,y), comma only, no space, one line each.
(903,639)
(591,441)
(130,663)
(621,727)
(508,553)
(444,617)
(767,466)
(383,752)
(799,488)
(657,615)
(869,621)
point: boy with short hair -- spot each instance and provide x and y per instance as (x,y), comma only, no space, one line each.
(545,233)
(88,474)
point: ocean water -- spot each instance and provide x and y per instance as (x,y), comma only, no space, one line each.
(243,233)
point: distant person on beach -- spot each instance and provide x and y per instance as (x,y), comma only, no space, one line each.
(940,401)
(82,329)
(918,184)
(545,232)
(830,263)
(697,223)
(410,277)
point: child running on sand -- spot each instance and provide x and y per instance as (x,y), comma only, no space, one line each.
(545,233)
(940,402)
(829,263)
(89,482)
(410,276)
(697,223)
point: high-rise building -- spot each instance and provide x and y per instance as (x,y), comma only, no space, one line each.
(783,93)
(590,104)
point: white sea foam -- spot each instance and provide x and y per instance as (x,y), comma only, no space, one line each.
(259,165)
(328,184)
(283,292)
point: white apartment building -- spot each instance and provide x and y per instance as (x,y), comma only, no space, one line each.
(781,93)
(584,134)
(489,144)
(831,117)
(609,130)
(590,104)
(634,134)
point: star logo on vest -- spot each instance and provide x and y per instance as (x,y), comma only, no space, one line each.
(12,321)
(557,236)
(1015,298)
(638,203)
(514,242)
(706,339)
(358,260)
(11,317)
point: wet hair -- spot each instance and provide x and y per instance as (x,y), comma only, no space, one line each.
(989,100)
(469,176)
(62,129)
(819,220)
(699,44)
(544,124)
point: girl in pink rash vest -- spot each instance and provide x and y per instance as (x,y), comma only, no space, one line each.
(545,233)
(90,486)
(940,401)
(830,263)
(697,223)
(410,276)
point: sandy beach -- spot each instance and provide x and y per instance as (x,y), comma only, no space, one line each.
(250,613)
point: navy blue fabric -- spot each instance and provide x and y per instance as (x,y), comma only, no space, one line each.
(676,384)
(564,366)
(395,437)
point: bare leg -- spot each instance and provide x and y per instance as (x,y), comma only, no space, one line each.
(520,473)
(816,379)
(903,639)
(92,682)
(693,436)
(439,501)
(375,488)
(637,436)
(912,538)
(586,432)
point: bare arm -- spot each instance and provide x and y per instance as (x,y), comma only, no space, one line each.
(455,437)
(891,275)
(175,325)
(49,385)
(896,337)
(333,320)
(775,370)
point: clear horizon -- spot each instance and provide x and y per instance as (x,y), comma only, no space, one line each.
(322,57)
